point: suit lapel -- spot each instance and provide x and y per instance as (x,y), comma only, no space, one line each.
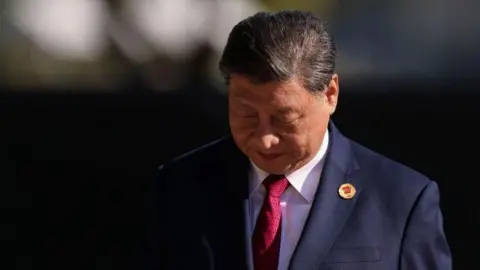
(329,211)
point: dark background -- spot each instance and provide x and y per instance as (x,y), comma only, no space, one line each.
(76,168)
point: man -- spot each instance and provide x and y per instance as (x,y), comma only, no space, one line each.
(287,185)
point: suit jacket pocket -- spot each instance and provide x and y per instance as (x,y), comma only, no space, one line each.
(349,255)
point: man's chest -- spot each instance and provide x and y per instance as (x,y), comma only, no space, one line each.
(295,211)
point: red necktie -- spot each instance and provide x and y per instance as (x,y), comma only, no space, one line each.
(267,233)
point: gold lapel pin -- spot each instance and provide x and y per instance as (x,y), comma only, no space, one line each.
(347,191)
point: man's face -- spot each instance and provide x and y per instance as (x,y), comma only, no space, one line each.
(279,126)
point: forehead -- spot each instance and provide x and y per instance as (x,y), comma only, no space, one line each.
(288,93)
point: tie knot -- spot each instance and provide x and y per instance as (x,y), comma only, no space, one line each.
(275,185)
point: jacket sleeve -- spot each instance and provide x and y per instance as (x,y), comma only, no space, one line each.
(174,241)
(424,245)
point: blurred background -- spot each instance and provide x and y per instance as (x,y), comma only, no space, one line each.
(161,45)
(95,94)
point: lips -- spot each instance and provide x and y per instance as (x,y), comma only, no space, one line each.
(269,156)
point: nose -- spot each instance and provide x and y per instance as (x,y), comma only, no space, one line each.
(267,137)
(268,141)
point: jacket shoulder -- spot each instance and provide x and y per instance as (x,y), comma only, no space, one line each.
(388,170)
(389,183)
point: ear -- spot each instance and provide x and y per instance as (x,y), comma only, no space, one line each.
(331,94)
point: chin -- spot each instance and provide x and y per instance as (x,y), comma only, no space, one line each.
(272,167)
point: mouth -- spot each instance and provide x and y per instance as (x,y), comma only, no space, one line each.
(269,156)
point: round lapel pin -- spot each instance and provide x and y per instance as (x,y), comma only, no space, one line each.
(347,191)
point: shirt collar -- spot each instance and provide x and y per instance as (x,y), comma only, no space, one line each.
(299,179)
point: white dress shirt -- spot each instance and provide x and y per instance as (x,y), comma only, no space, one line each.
(295,202)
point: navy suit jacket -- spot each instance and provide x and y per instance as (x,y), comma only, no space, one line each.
(393,221)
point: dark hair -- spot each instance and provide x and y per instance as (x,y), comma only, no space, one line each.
(278,46)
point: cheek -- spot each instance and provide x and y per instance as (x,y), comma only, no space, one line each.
(240,126)
(240,132)
(295,142)
(298,139)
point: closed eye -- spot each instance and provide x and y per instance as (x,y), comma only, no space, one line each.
(286,120)
(245,115)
